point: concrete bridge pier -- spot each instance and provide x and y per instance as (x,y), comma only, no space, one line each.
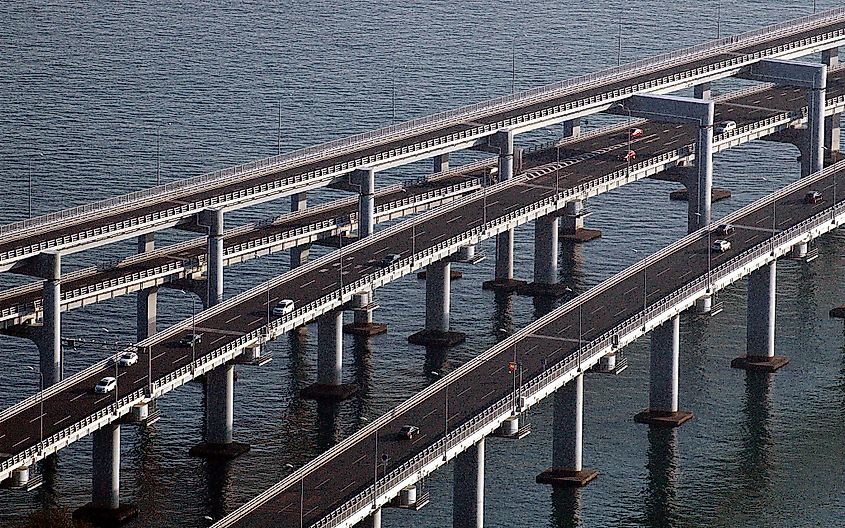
(832,137)
(573,229)
(440,163)
(504,281)
(105,507)
(663,381)
(813,77)
(373,521)
(329,385)
(48,335)
(212,219)
(363,306)
(760,347)
(147,298)
(546,248)
(299,254)
(468,488)
(566,470)
(572,128)
(438,292)
(366,179)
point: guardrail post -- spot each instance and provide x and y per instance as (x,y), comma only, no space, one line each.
(438,291)
(329,385)
(468,488)
(760,347)
(299,254)
(663,379)
(832,137)
(566,470)
(105,506)
(148,297)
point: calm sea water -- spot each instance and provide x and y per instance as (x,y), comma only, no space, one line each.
(87,89)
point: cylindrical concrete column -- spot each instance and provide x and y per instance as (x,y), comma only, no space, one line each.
(504,255)
(573,218)
(568,425)
(105,479)
(700,197)
(663,382)
(299,254)
(441,163)
(832,137)
(468,488)
(572,127)
(762,286)
(702,91)
(438,282)
(817,98)
(366,202)
(330,348)
(146,298)
(214,222)
(219,404)
(363,316)
(49,338)
(504,141)
(373,521)
(545,249)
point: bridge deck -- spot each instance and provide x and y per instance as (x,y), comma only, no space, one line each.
(745,109)
(449,133)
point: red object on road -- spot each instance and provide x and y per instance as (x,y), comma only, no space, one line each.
(511,367)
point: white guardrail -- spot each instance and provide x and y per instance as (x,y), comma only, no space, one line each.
(535,389)
(468,114)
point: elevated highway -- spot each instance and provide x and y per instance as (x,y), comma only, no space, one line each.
(368,470)
(473,126)
(759,113)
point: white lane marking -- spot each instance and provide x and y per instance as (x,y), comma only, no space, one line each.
(360,458)
(235,318)
(178,360)
(662,272)
(455,219)
(19,443)
(36,418)
(139,380)
(77,397)
(63,419)
(309,283)
(158,356)
(103,399)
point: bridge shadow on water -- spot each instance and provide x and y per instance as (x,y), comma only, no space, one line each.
(660,506)
(566,508)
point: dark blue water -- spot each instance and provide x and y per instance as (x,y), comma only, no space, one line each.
(86,89)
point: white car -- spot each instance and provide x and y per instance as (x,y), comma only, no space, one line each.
(724,126)
(720,245)
(105,385)
(284,307)
(127,359)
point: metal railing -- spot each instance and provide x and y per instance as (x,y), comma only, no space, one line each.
(467,113)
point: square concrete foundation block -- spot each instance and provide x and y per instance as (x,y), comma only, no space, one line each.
(365,329)
(503,285)
(663,419)
(219,451)
(580,236)
(760,364)
(567,478)
(682,195)
(539,289)
(436,338)
(324,392)
(106,517)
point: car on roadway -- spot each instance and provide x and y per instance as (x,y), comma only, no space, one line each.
(636,132)
(812,197)
(190,340)
(720,245)
(725,229)
(127,359)
(409,431)
(283,307)
(105,385)
(631,155)
(387,260)
(724,126)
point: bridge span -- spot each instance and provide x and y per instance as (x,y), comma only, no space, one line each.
(376,466)
(491,124)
